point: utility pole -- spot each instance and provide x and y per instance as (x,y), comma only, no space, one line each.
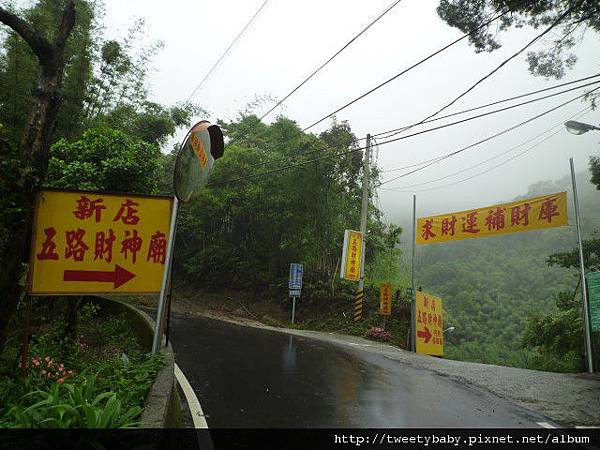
(359,297)
(586,307)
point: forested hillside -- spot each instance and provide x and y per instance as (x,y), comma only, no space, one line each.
(492,286)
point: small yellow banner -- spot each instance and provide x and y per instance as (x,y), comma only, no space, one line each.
(537,213)
(385,299)
(352,255)
(429,324)
(93,242)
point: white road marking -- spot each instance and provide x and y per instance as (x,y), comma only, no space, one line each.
(195,408)
(585,426)
(545,425)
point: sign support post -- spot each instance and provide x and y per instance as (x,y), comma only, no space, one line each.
(359,296)
(586,314)
(163,288)
(295,285)
(413,328)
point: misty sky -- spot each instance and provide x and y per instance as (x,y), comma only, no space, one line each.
(290,39)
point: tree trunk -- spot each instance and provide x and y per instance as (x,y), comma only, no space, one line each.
(34,148)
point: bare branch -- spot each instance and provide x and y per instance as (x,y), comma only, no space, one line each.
(66,26)
(38,43)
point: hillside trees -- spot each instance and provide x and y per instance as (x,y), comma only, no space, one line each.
(62,77)
(581,17)
(244,233)
(30,160)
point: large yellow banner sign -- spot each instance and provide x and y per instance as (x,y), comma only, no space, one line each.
(93,242)
(430,324)
(547,211)
(352,255)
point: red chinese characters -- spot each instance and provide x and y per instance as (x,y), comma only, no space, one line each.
(158,248)
(495,219)
(548,209)
(48,246)
(127,213)
(470,223)
(519,215)
(427,231)
(86,208)
(449,226)
(131,245)
(104,245)
(76,247)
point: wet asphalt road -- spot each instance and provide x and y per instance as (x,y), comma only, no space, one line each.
(251,378)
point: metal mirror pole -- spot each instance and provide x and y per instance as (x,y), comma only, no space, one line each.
(165,281)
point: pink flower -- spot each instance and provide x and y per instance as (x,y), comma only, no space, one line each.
(60,380)
(49,375)
(35,362)
(44,372)
(47,359)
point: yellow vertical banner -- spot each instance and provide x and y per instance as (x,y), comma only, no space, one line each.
(352,255)
(385,299)
(429,324)
(537,213)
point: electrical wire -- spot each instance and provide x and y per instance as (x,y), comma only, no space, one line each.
(389,134)
(347,152)
(293,91)
(449,155)
(477,83)
(321,149)
(226,52)
(559,125)
(408,69)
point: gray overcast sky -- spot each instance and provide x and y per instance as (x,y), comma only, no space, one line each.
(290,39)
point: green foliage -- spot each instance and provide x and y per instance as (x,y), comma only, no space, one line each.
(101,380)
(64,405)
(550,61)
(107,160)
(245,234)
(491,287)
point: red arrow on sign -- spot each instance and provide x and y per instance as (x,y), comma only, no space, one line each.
(425,334)
(118,277)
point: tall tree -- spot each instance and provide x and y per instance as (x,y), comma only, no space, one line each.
(33,151)
(552,60)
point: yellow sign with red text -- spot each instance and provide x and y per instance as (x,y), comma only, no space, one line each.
(92,242)
(537,213)
(352,255)
(429,324)
(385,299)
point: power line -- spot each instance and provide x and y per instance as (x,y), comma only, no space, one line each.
(287,160)
(226,52)
(373,22)
(347,152)
(497,111)
(510,58)
(502,64)
(559,125)
(449,155)
(406,127)
(487,170)
(389,80)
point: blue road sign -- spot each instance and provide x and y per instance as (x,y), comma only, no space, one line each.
(296,271)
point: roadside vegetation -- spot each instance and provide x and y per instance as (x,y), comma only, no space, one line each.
(97,378)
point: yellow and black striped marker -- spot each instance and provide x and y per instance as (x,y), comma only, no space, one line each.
(359,298)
